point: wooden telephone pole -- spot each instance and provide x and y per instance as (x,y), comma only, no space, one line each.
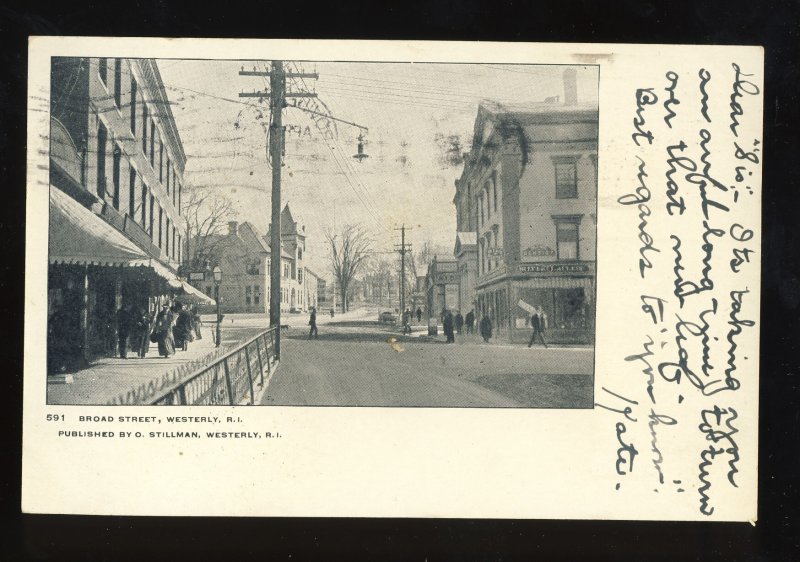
(403,249)
(277,96)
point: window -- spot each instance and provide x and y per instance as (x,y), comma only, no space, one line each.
(257,295)
(166,236)
(480,203)
(173,242)
(152,216)
(488,189)
(248,295)
(133,105)
(567,239)
(180,187)
(494,190)
(102,70)
(161,162)
(152,143)
(252,267)
(144,205)
(299,253)
(169,164)
(115,175)
(489,250)
(160,225)
(144,129)
(101,160)
(566,178)
(132,192)
(118,82)
(180,249)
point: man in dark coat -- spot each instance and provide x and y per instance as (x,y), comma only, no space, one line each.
(448,326)
(459,322)
(124,325)
(470,321)
(312,321)
(183,327)
(486,328)
(419,314)
(406,321)
(537,326)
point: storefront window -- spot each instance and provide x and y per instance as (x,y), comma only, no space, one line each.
(567,240)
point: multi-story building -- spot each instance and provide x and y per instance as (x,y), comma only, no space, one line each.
(243,254)
(529,194)
(116,183)
(441,288)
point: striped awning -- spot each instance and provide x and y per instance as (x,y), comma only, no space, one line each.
(79,237)
(193,295)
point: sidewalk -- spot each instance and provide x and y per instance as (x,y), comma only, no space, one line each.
(133,379)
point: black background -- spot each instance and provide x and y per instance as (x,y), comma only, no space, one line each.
(774,25)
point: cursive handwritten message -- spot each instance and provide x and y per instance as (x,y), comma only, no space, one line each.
(690,213)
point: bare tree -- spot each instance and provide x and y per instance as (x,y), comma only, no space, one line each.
(349,250)
(206,214)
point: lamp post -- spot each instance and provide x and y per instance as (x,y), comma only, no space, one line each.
(217,281)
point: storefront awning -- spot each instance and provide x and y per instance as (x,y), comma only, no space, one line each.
(193,295)
(79,237)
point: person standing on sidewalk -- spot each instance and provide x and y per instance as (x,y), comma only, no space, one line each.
(486,328)
(407,322)
(459,322)
(163,331)
(124,323)
(448,326)
(470,321)
(537,326)
(419,314)
(313,323)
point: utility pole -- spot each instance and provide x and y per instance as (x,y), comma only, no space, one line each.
(403,249)
(277,96)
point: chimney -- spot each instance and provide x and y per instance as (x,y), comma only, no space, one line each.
(570,87)
(233,228)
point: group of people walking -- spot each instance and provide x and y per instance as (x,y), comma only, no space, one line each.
(172,328)
(453,324)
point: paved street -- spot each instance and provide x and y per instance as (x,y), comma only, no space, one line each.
(358,362)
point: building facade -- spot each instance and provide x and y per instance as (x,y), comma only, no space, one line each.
(244,256)
(529,190)
(116,182)
(441,288)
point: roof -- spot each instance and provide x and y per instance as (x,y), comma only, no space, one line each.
(288,226)
(469,238)
(534,108)
(78,236)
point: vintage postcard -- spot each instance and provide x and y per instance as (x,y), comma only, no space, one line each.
(414,279)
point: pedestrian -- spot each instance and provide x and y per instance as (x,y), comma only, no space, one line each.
(407,322)
(486,328)
(145,325)
(312,321)
(419,314)
(332,313)
(182,332)
(459,322)
(448,326)
(163,331)
(196,323)
(470,321)
(124,324)
(537,325)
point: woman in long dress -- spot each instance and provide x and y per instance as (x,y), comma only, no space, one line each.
(164,322)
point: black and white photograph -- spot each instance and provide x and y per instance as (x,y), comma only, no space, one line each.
(318,233)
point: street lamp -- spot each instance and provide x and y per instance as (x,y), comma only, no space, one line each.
(217,281)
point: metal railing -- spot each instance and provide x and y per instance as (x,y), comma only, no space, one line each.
(228,379)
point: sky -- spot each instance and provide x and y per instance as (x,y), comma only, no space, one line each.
(413,113)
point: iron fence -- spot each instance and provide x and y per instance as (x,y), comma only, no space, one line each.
(228,379)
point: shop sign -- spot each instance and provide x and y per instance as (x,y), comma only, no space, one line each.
(538,251)
(446,278)
(197,276)
(555,268)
